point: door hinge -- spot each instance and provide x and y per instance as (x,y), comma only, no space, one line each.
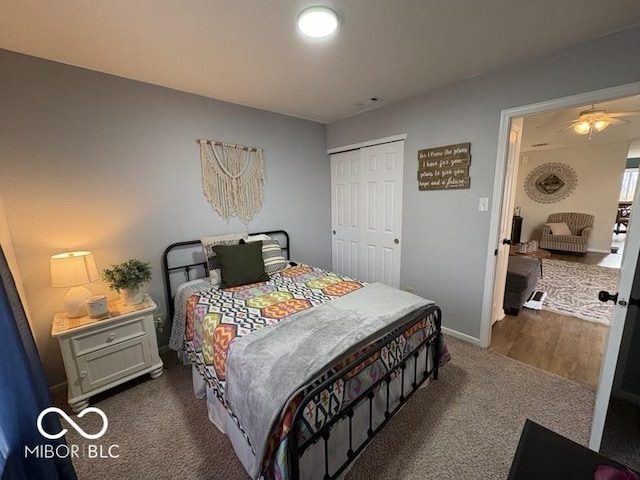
(495,252)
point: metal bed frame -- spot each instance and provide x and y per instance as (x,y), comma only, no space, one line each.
(197,266)
(430,343)
(296,450)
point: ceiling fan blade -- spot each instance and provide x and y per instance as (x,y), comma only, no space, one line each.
(618,121)
(572,122)
(623,114)
(568,127)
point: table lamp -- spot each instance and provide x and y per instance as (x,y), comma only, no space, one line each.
(74,269)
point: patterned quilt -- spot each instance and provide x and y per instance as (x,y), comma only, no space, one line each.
(215,317)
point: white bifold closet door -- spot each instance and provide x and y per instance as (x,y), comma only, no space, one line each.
(366,212)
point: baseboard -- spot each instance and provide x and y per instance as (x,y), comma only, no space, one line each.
(461,336)
(597,250)
(163,349)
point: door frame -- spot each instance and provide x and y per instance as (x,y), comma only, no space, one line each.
(506,116)
(368,143)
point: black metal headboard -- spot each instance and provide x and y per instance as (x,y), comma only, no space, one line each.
(196,266)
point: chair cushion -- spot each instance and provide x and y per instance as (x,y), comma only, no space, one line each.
(559,228)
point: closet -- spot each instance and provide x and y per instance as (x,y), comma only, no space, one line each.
(366,212)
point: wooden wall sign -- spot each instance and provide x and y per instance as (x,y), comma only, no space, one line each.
(444,168)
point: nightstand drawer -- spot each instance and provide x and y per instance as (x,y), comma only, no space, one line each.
(107,365)
(110,335)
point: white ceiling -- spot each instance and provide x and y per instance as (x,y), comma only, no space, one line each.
(249,52)
(537,129)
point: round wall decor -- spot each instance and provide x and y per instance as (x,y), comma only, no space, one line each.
(550,182)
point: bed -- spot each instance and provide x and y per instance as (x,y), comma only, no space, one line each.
(303,369)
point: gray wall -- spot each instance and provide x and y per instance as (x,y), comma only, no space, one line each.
(445,237)
(96,162)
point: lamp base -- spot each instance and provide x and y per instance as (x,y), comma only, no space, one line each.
(75,301)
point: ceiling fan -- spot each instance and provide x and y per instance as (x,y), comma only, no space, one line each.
(595,120)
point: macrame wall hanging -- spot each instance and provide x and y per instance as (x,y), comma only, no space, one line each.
(232,179)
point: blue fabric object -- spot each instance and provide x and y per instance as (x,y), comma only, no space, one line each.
(24,393)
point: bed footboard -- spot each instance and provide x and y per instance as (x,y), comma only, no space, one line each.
(381,386)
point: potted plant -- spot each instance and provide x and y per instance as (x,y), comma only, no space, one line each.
(127,278)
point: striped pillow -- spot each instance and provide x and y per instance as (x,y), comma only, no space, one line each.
(274,260)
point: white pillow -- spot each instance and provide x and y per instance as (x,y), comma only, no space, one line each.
(559,229)
(258,238)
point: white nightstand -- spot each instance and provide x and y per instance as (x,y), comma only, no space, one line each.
(100,354)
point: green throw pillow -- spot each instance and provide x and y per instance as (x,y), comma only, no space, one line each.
(240,264)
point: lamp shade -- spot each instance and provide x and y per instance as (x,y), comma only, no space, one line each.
(601,125)
(582,128)
(72,269)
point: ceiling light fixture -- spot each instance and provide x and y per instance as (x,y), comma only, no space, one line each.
(591,120)
(594,120)
(317,22)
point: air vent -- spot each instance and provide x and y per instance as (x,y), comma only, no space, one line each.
(539,144)
(373,100)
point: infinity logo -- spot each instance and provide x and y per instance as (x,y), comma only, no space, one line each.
(72,423)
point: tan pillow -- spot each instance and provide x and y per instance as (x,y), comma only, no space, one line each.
(273,257)
(559,229)
(212,262)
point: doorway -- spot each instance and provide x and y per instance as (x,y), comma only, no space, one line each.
(505,172)
(629,260)
(565,333)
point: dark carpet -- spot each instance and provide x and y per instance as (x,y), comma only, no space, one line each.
(465,425)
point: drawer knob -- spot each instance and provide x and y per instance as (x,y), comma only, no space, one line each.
(83,374)
(112,335)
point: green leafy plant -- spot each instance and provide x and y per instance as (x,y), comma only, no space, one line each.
(127,275)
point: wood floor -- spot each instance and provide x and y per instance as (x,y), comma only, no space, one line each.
(611,260)
(560,344)
(566,346)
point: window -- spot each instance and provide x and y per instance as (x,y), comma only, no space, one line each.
(628,188)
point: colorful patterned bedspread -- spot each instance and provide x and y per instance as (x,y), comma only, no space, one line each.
(215,317)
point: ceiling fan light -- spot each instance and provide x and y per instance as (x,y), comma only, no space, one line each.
(582,128)
(601,125)
(317,22)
